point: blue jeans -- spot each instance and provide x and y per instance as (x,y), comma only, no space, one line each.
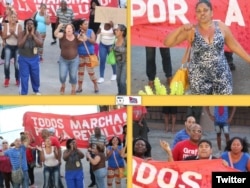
(49,172)
(100,176)
(121,78)
(74,178)
(29,67)
(25,183)
(68,66)
(103,52)
(11,51)
(151,64)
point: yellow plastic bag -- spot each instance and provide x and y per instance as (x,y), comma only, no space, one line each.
(179,83)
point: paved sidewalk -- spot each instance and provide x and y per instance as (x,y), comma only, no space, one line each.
(87,181)
(241,76)
(157,132)
(49,76)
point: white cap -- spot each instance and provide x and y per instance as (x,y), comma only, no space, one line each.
(51,130)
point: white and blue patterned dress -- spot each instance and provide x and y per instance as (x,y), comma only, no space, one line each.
(209,72)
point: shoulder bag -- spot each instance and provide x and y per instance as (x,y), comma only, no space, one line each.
(17,175)
(111,56)
(120,169)
(179,83)
(93,59)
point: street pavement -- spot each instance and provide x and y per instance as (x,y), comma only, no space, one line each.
(49,75)
(241,76)
(157,132)
(39,174)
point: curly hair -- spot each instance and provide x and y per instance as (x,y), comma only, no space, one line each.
(68,142)
(30,19)
(119,141)
(148,146)
(243,142)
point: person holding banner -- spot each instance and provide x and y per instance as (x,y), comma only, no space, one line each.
(236,154)
(188,147)
(205,151)
(73,167)
(208,69)
(141,148)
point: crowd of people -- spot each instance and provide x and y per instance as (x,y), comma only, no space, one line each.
(190,143)
(104,156)
(23,44)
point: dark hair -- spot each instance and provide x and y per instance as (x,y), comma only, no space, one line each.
(100,147)
(207,2)
(123,28)
(68,142)
(206,141)
(148,146)
(30,19)
(119,141)
(243,142)
(96,2)
(124,129)
(77,22)
(188,116)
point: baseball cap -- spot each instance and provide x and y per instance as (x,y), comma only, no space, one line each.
(51,130)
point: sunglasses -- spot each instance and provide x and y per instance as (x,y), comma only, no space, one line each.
(5,142)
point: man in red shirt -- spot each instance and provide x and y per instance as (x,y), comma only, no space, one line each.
(188,147)
(140,128)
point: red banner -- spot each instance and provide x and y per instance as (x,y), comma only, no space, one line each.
(152,20)
(79,127)
(26,8)
(188,174)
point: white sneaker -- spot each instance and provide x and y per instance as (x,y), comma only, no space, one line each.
(37,93)
(100,80)
(113,77)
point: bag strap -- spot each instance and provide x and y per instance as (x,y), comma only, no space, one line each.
(186,56)
(115,159)
(86,48)
(230,160)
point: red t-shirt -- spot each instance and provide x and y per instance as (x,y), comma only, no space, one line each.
(55,142)
(184,149)
(138,111)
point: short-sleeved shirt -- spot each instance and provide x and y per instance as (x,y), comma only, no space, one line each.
(94,140)
(180,136)
(17,157)
(138,111)
(221,118)
(65,17)
(184,149)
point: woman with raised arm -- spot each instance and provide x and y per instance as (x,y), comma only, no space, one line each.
(209,72)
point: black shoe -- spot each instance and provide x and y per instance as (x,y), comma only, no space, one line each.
(52,43)
(91,185)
